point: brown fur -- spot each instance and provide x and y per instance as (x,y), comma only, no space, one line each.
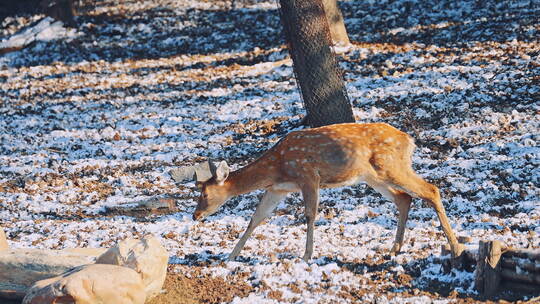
(327,157)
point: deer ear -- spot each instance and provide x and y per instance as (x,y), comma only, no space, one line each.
(222,172)
(211,166)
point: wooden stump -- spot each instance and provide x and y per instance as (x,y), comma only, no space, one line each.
(498,267)
(488,266)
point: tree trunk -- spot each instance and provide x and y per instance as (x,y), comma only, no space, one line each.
(63,10)
(338,32)
(315,65)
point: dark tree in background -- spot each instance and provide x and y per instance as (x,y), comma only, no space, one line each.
(315,65)
(63,10)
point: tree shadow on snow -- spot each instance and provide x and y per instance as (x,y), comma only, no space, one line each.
(444,23)
(160,32)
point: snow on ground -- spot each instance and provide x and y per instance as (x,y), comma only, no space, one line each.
(100,118)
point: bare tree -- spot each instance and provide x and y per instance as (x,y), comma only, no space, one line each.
(63,10)
(315,65)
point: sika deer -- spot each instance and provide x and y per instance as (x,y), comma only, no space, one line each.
(327,157)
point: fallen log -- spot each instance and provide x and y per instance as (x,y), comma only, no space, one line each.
(521,287)
(527,265)
(143,208)
(524,253)
(523,277)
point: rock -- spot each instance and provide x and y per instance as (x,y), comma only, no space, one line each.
(3,242)
(21,268)
(97,283)
(147,256)
(91,252)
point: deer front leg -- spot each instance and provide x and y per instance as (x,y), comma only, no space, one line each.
(267,204)
(310,194)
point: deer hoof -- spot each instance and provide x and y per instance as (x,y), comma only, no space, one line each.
(457,250)
(395,249)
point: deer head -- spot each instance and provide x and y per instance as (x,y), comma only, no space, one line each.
(210,179)
(213,192)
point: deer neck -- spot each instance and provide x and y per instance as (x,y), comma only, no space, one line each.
(249,178)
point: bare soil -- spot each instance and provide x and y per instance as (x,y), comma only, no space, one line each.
(197,287)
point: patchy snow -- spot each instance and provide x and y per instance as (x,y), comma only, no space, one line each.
(98,119)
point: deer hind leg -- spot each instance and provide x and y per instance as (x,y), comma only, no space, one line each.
(416,186)
(310,194)
(403,203)
(267,204)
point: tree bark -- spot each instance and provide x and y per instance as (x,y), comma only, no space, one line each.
(338,32)
(315,65)
(63,10)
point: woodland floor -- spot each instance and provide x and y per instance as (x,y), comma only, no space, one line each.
(99,116)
